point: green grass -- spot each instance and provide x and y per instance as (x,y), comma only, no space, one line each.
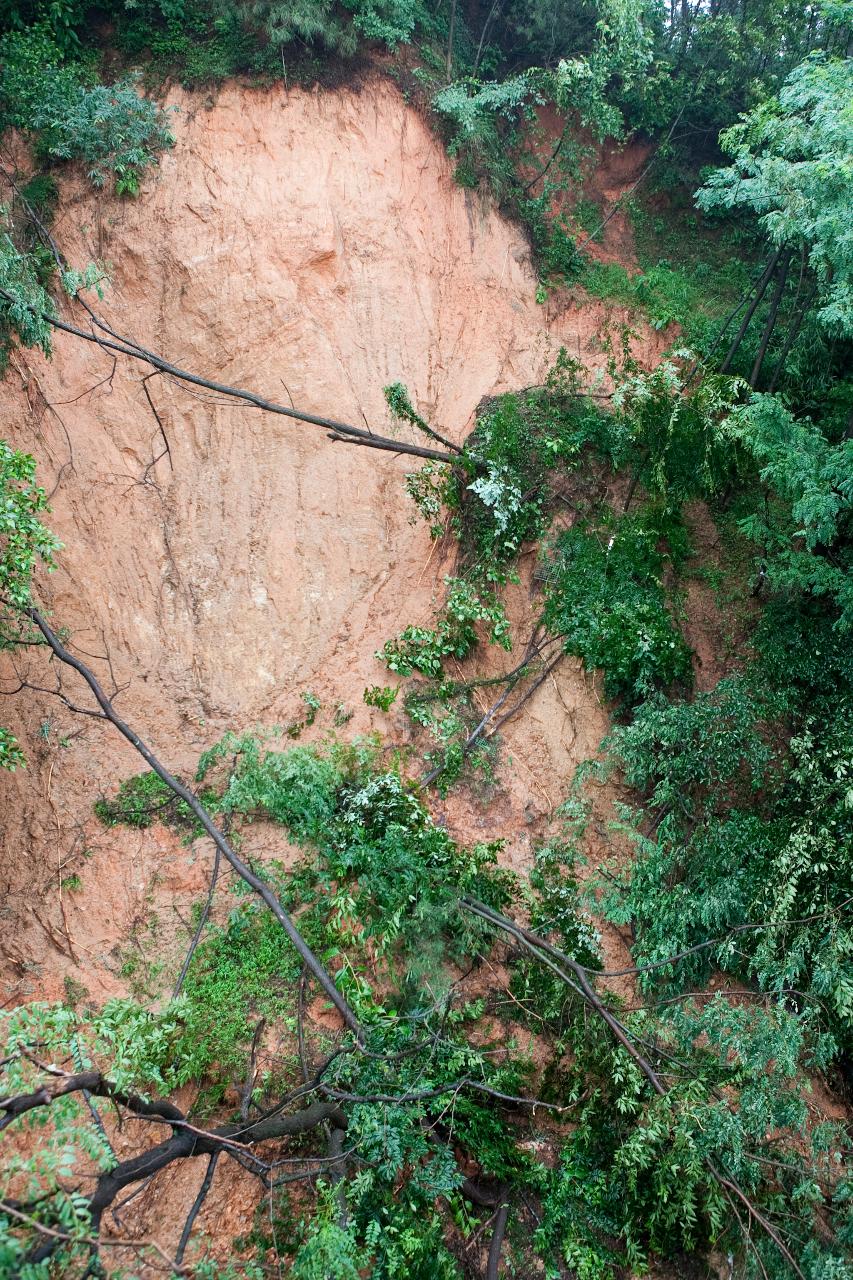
(697,294)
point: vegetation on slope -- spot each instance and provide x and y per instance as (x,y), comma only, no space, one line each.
(685,1120)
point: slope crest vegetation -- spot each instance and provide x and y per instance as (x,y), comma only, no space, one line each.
(418,1059)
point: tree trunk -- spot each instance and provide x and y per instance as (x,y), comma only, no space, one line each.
(450,39)
(771,319)
(760,290)
(792,335)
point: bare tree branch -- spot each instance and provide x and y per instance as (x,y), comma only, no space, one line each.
(179,789)
(116,343)
(196,1208)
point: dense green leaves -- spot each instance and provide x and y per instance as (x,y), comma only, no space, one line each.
(24,544)
(23,300)
(114,131)
(742,837)
(806,540)
(791,169)
(605,599)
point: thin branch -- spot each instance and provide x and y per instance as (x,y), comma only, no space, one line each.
(626,195)
(196,1207)
(117,343)
(202,921)
(553,156)
(92,1241)
(260,887)
(159,421)
(418,1095)
(497,1242)
(760,290)
(580,983)
(250,1074)
(713,942)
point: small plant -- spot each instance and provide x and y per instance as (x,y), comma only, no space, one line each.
(431,489)
(446,711)
(72,883)
(313,706)
(424,649)
(75,992)
(381,696)
(588,216)
(145,799)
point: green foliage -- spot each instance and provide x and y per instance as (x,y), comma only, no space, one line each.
(404,1236)
(295,787)
(139,1046)
(558,257)
(445,709)
(473,108)
(518,442)
(377,871)
(23,301)
(24,544)
(432,488)
(244,970)
(791,171)
(42,194)
(424,649)
(24,541)
(115,132)
(750,829)
(382,869)
(739,800)
(203,42)
(145,799)
(312,706)
(806,545)
(382,697)
(687,278)
(637,1167)
(588,215)
(675,432)
(306,21)
(605,598)
(399,402)
(608,280)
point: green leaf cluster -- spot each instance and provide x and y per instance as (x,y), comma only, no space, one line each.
(116,133)
(606,600)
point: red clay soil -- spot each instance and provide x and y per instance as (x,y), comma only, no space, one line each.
(311,246)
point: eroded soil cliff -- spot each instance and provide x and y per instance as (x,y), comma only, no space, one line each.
(218,562)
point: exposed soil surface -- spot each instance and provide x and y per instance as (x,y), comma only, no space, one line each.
(310,246)
(304,245)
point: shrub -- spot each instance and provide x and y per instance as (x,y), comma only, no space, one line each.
(605,598)
(143,800)
(424,649)
(115,132)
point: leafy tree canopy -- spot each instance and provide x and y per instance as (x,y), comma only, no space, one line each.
(792,169)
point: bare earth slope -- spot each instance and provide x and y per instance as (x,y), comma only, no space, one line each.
(305,245)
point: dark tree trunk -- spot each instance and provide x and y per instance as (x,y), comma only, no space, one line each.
(791,337)
(770,324)
(760,290)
